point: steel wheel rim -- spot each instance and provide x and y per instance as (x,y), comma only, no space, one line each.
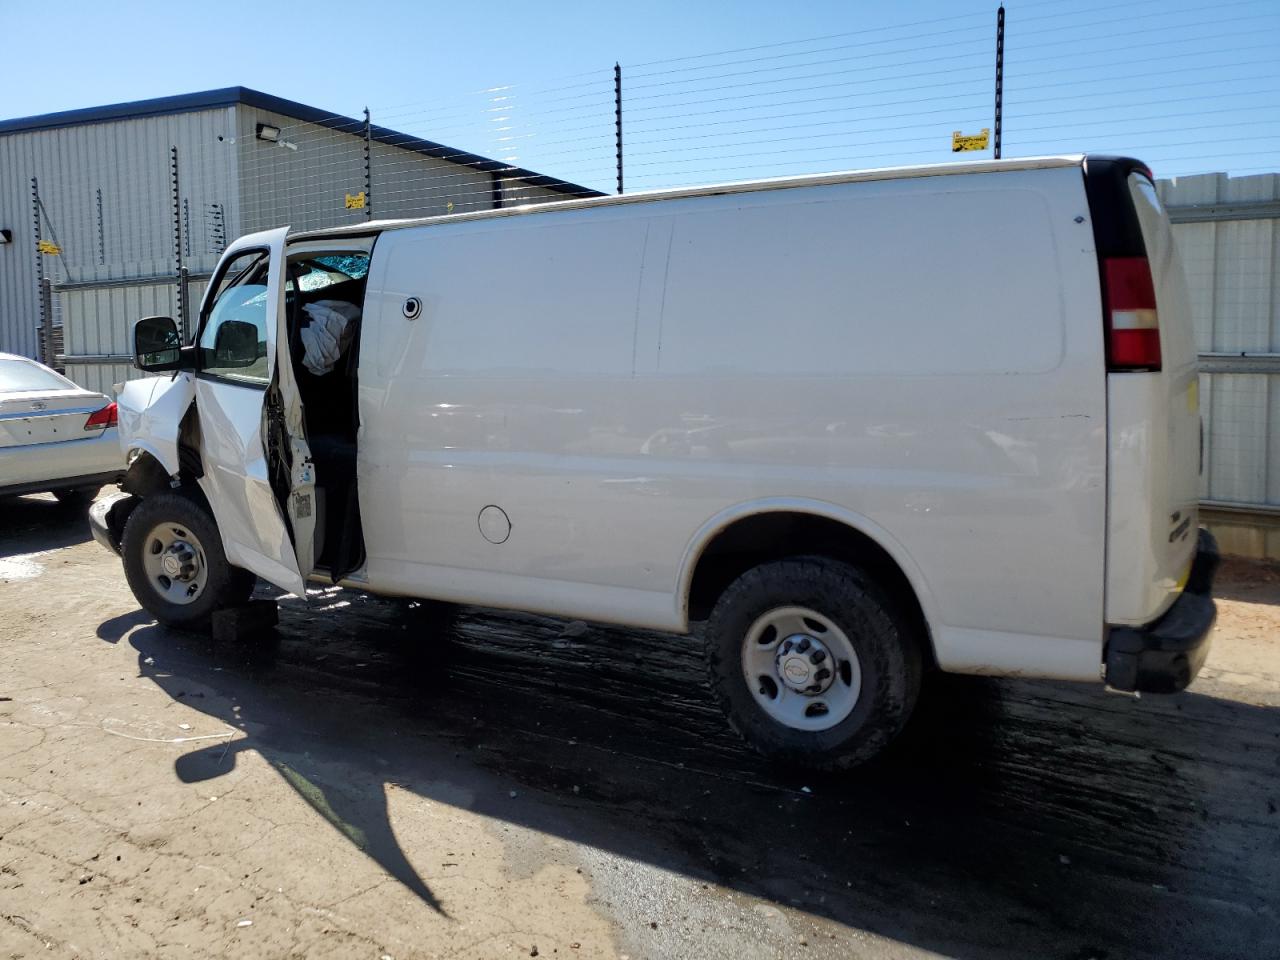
(784,655)
(174,561)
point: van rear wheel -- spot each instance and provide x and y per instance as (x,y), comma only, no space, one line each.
(812,663)
(174,562)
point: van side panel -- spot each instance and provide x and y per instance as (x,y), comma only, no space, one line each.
(923,353)
(515,388)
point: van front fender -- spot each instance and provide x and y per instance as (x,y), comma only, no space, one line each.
(150,413)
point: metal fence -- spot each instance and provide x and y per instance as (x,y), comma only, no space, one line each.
(1228,235)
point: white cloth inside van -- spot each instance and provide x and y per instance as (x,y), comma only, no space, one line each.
(328,334)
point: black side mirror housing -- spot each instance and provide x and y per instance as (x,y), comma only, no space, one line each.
(235,344)
(157,344)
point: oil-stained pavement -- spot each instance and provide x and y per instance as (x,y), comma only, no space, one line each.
(356,784)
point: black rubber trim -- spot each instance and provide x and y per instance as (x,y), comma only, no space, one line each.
(1116,229)
(1165,656)
(1117,232)
(107,517)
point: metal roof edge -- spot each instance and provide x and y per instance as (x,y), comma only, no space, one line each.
(230,96)
(405,141)
(131,110)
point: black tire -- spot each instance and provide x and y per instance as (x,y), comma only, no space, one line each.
(888,651)
(226,586)
(75,496)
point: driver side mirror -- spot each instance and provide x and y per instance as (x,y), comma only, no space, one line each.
(235,344)
(157,345)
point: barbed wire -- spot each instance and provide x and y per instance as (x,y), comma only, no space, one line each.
(1172,83)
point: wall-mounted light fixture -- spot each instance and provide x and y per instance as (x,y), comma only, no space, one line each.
(268,133)
(6,236)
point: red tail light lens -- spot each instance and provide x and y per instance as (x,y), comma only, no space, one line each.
(1133,325)
(101,419)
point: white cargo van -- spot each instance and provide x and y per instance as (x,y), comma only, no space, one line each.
(858,426)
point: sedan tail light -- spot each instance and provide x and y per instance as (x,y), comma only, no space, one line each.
(101,419)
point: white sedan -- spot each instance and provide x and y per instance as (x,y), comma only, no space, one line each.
(54,435)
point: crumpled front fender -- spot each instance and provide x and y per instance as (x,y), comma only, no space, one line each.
(150,412)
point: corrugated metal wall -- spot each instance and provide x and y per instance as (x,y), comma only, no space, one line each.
(106,193)
(307,187)
(1232,259)
(303,188)
(131,233)
(101,318)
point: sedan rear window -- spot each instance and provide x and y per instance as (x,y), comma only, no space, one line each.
(20,375)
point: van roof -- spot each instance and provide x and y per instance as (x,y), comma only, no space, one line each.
(745,186)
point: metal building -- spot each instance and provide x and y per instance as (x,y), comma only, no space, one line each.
(126,208)
(1228,235)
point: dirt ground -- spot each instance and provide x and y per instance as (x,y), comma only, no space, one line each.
(351,787)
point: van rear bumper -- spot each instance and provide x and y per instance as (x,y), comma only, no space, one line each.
(1165,655)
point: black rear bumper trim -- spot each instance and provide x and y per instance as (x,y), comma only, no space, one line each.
(1164,656)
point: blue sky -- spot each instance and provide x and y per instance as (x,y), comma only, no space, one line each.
(712,90)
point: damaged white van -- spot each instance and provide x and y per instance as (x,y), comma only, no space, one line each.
(857,426)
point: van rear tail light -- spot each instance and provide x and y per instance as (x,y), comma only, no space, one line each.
(1133,326)
(101,419)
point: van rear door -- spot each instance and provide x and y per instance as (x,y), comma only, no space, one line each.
(1153,409)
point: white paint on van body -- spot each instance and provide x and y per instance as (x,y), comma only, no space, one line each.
(920,358)
(1155,440)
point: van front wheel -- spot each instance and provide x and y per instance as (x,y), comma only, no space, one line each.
(811,663)
(174,562)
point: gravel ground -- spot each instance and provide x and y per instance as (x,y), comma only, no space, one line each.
(354,786)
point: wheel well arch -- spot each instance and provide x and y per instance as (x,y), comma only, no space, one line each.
(776,533)
(147,471)
(145,475)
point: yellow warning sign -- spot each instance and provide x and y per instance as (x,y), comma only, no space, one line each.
(356,202)
(49,248)
(961,142)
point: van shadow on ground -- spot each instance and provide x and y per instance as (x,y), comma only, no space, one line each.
(1018,819)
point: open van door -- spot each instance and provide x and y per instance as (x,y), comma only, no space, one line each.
(258,474)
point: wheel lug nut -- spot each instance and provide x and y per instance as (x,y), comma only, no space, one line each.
(803,645)
(817,656)
(822,674)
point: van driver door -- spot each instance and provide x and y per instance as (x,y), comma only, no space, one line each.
(257,469)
